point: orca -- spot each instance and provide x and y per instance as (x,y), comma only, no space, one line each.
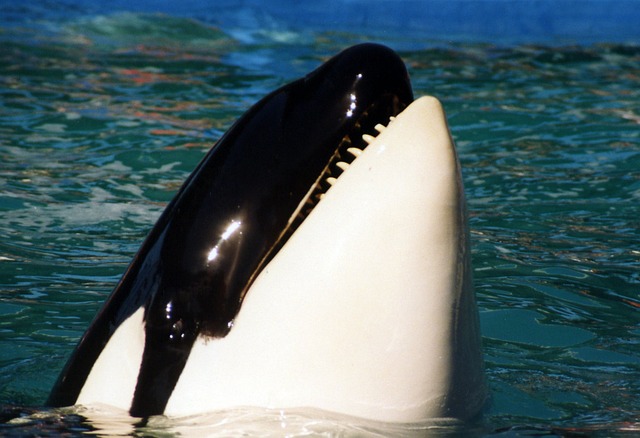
(318,256)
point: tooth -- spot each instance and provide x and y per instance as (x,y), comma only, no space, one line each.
(321,196)
(380,127)
(331,180)
(368,138)
(342,165)
(392,118)
(355,152)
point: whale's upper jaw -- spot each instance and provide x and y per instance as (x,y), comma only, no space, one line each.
(233,214)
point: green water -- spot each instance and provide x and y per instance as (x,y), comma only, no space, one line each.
(102,118)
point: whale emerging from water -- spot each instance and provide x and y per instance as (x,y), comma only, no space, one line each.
(318,256)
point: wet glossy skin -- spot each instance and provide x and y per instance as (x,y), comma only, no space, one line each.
(231,216)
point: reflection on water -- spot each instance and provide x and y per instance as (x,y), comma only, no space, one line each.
(102,118)
(105,421)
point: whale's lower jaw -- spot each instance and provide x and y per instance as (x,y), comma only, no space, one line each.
(368,310)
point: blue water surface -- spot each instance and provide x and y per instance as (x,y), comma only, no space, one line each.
(105,111)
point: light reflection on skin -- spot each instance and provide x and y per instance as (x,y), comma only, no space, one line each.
(353,99)
(228,232)
(352,106)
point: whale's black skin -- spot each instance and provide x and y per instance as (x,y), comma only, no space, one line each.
(257,175)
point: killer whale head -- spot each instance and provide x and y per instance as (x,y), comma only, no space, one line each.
(288,177)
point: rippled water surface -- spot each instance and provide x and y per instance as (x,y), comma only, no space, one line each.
(103,116)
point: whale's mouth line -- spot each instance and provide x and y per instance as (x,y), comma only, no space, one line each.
(373,121)
(370,123)
(364,131)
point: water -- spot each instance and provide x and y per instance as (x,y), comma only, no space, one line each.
(103,115)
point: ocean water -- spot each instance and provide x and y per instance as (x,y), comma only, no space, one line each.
(103,115)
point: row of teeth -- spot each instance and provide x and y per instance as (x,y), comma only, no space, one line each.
(320,190)
(355,152)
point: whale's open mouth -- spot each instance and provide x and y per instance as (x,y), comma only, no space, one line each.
(363,131)
(372,122)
